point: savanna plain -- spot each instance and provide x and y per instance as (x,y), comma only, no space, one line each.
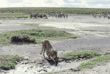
(82,43)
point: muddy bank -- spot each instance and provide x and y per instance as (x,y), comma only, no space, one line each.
(39,66)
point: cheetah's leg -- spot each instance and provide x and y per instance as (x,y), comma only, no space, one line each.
(49,57)
(43,49)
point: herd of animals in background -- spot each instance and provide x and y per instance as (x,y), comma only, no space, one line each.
(62,14)
(39,15)
(101,15)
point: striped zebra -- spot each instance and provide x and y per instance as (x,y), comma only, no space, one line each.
(108,15)
(99,14)
(61,15)
(53,15)
(66,15)
(94,15)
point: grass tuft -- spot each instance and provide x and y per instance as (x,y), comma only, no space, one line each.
(37,34)
(80,55)
(106,33)
(8,61)
(94,62)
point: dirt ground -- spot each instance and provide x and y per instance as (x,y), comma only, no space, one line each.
(96,40)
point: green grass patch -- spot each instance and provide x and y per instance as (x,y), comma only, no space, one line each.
(80,55)
(8,61)
(106,33)
(94,62)
(26,10)
(37,34)
(90,30)
(67,10)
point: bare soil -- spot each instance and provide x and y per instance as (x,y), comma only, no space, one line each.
(97,41)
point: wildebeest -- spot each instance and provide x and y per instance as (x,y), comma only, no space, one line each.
(41,15)
(33,15)
(44,15)
(37,15)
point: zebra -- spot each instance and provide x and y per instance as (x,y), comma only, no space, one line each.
(99,14)
(108,16)
(50,14)
(55,15)
(61,14)
(66,15)
(94,15)
(104,14)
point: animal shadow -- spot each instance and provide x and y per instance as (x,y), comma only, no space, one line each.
(51,62)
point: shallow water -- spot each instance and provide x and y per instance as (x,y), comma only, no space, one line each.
(36,69)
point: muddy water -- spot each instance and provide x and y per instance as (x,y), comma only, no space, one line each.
(40,68)
(41,65)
